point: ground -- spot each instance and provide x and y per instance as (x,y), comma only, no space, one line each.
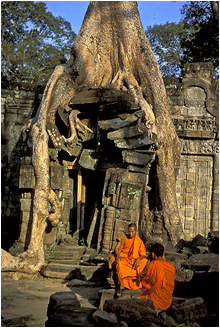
(29,295)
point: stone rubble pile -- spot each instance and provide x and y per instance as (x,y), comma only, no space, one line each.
(195,297)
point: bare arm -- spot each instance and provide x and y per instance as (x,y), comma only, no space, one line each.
(137,261)
(117,253)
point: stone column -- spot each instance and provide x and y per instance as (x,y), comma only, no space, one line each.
(215,194)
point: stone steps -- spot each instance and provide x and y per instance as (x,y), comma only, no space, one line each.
(68,272)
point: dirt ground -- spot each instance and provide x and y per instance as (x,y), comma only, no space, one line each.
(29,295)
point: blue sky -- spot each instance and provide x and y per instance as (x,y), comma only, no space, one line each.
(151,12)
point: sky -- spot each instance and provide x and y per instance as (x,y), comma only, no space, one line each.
(151,12)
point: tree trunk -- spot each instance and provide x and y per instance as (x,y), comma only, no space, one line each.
(111,50)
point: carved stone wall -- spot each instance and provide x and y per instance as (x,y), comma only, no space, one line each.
(194,108)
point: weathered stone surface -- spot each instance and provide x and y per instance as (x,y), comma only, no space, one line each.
(167,320)
(138,158)
(116,123)
(87,160)
(62,298)
(26,204)
(130,196)
(85,97)
(182,276)
(15,320)
(105,319)
(136,178)
(56,176)
(190,310)
(127,132)
(118,107)
(71,316)
(27,177)
(69,272)
(107,294)
(204,261)
(108,95)
(136,142)
(128,215)
(133,168)
(198,240)
(135,312)
(202,249)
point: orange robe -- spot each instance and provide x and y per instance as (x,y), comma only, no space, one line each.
(158,283)
(131,250)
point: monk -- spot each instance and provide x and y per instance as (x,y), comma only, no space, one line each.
(158,279)
(131,259)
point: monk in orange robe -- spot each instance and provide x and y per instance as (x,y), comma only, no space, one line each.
(131,259)
(158,279)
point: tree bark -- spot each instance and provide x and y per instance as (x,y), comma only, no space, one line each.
(111,51)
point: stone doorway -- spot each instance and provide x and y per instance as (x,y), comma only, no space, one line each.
(87,196)
(194,191)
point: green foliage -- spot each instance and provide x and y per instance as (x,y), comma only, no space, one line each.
(186,269)
(202,42)
(33,41)
(82,242)
(165,41)
(194,39)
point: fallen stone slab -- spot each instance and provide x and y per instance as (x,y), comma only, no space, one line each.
(106,294)
(198,240)
(202,261)
(71,317)
(190,310)
(167,320)
(61,298)
(105,319)
(135,312)
(15,320)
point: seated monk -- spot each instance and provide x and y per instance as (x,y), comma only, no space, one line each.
(158,279)
(131,259)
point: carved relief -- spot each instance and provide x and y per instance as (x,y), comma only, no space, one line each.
(199,146)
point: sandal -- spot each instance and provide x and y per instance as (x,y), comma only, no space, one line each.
(119,292)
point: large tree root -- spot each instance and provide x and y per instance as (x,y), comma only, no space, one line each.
(146,113)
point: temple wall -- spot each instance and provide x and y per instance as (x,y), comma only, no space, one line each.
(194,109)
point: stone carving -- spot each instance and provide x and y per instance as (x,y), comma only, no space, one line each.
(195,127)
(199,146)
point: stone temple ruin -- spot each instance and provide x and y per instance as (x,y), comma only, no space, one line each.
(107,180)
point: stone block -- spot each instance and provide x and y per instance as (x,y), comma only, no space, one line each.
(135,142)
(130,196)
(127,132)
(105,319)
(137,178)
(135,312)
(129,215)
(202,261)
(109,294)
(116,123)
(138,158)
(87,160)
(56,176)
(27,177)
(26,204)
(190,310)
